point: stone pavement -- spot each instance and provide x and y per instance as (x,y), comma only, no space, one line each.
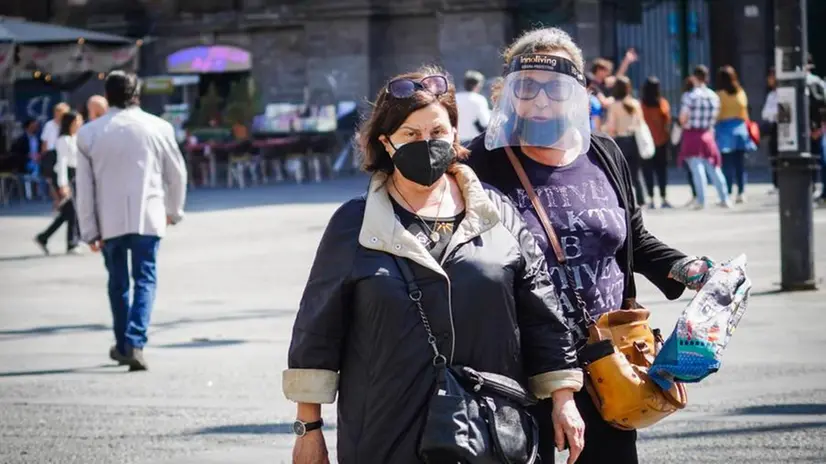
(230,278)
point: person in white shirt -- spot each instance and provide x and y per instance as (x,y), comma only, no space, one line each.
(64,180)
(48,139)
(51,130)
(474,112)
(96,106)
(769,117)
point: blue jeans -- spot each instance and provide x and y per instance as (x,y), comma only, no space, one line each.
(734,169)
(700,167)
(131,320)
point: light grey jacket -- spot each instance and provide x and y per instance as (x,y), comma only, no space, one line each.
(130,175)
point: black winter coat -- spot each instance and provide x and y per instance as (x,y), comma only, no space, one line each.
(490,303)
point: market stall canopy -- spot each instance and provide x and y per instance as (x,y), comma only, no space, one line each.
(27,33)
(56,52)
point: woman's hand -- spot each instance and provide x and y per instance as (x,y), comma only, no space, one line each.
(310,449)
(692,272)
(697,269)
(568,424)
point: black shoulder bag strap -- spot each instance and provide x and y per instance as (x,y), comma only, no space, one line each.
(440,363)
(415,295)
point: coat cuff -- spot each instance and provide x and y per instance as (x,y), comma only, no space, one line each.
(316,386)
(543,385)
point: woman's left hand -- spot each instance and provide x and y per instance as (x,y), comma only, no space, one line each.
(697,268)
(692,272)
(568,424)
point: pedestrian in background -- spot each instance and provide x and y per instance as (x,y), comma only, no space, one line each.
(64,180)
(131,184)
(731,132)
(769,127)
(596,111)
(698,113)
(48,155)
(816,88)
(657,114)
(474,111)
(688,85)
(25,157)
(96,107)
(624,119)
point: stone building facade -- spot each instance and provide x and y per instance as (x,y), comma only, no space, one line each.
(346,49)
(343,48)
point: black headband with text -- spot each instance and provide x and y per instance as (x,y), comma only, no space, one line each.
(552,63)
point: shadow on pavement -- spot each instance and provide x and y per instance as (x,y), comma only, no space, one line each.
(52,329)
(782,409)
(278,428)
(23,258)
(219,199)
(202,343)
(777,428)
(238,316)
(70,370)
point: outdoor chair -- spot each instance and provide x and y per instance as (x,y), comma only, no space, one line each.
(9,182)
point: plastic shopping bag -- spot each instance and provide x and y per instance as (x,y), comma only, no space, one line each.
(695,348)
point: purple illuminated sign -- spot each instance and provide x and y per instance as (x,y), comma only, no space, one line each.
(209,59)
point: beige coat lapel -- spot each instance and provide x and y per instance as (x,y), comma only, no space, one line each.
(380,230)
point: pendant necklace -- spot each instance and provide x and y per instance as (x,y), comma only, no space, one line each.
(434,236)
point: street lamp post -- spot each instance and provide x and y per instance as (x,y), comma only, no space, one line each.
(795,164)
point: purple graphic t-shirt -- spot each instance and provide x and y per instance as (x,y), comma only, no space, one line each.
(587,217)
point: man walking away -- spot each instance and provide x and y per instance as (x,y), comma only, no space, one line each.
(474,112)
(131,184)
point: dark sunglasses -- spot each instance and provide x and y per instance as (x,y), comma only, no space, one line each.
(405,88)
(527,89)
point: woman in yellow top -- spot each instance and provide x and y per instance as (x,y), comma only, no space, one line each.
(731,131)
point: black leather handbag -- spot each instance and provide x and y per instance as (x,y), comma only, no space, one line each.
(473,417)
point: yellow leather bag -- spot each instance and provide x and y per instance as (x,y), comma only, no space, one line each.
(621,348)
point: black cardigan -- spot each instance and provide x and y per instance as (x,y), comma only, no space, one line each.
(642,252)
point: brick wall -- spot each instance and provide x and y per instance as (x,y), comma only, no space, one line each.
(340,49)
(474,40)
(337,59)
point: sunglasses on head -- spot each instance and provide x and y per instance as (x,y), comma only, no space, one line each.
(405,88)
(527,89)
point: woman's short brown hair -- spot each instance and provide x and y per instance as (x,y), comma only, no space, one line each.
(389,113)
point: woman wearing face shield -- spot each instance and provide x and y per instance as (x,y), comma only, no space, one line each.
(584,184)
(484,288)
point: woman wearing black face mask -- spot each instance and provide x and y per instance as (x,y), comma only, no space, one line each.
(483,284)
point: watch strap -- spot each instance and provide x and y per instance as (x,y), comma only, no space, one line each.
(310,426)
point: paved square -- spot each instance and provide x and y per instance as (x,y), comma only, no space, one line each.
(230,278)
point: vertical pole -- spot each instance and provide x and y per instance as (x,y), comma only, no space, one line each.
(796,166)
(682,14)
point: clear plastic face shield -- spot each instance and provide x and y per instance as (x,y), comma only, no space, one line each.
(544,103)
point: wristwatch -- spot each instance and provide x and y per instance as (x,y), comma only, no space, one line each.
(300,428)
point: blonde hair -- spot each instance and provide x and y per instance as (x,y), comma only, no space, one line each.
(544,40)
(62,107)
